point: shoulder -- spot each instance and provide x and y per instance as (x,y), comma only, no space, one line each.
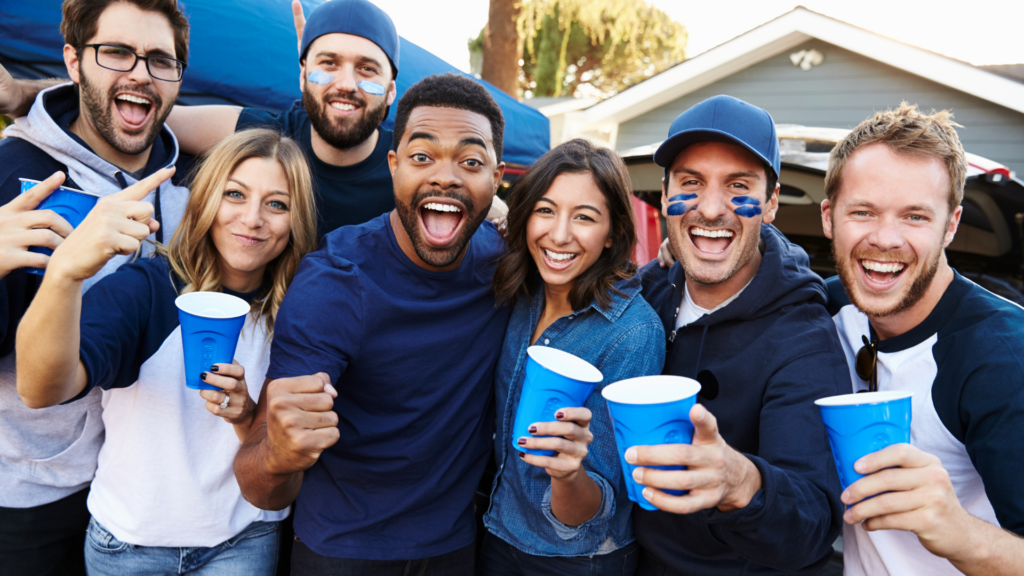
(354,242)
(488,241)
(289,123)
(20,159)
(657,283)
(141,279)
(837,297)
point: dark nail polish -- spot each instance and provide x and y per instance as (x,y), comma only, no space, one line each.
(522,456)
(202,376)
(521,441)
(559,415)
(532,429)
(214,368)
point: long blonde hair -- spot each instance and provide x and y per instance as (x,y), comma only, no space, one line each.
(191,252)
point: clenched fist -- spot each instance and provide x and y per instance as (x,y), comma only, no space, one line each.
(301,422)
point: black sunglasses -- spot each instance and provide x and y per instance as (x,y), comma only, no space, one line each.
(867,364)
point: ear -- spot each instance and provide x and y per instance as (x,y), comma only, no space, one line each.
(771,207)
(392,92)
(826,218)
(664,197)
(71,62)
(392,162)
(499,173)
(954,223)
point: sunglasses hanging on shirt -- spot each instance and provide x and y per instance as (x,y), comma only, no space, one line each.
(867,364)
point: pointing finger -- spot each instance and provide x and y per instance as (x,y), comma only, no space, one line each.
(142,188)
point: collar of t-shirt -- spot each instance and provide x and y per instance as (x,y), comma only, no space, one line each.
(690,312)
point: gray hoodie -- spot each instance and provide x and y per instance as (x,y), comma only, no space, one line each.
(48,454)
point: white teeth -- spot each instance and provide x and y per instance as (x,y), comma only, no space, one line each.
(135,99)
(711,233)
(442,207)
(884,268)
(558,257)
(340,106)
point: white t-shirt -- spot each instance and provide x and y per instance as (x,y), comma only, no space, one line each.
(689,312)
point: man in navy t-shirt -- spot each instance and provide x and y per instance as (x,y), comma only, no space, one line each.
(383,359)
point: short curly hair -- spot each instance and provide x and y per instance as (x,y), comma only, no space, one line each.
(450,90)
(81,19)
(905,130)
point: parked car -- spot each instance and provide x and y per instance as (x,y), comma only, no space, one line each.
(987,247)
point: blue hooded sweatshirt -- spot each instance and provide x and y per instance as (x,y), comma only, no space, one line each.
(761,360)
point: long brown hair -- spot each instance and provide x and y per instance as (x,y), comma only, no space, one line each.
(517,274)
(191,252)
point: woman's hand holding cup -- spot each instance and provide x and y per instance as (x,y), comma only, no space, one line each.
(116,225)
(239,408)
(569,437)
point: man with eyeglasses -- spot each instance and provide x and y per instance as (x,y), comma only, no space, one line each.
(102,132)
(951,501)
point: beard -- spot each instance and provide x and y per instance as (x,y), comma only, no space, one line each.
(99,109)
(701,272)
(845,266)
(343,133)
(439,257)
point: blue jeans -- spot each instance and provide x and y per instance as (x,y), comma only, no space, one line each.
(253,552)
(499,558)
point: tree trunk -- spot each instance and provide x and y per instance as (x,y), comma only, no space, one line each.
(502,49)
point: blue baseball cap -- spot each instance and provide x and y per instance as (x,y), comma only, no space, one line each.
(723,119)
(356,17)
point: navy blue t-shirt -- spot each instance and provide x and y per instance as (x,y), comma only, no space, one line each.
(412,354)
(346,195)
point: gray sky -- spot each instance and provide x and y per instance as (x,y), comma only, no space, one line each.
(977,31)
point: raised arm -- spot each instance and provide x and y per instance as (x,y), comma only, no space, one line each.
(48,340)
(200,128)
(16,96)
(294,423)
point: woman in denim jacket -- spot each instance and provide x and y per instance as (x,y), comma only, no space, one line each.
(570,234)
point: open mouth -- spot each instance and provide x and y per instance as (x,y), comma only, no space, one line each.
(248,240)
(133,109)
(882,272)
(343,106)
(558,260)
(711,241)
(440,221)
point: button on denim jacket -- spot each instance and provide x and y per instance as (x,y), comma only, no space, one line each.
(624,341)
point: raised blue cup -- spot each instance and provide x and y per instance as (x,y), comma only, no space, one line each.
(554,379)
(648,411)
(210,325)
(70,204)
(859,424)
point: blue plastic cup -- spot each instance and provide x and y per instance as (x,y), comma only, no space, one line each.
(210,325)
(649,411)
(70,204)
(859,424)
(554,379)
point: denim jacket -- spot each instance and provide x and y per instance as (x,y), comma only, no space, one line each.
(625,341)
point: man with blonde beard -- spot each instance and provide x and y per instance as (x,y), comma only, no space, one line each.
(952,500)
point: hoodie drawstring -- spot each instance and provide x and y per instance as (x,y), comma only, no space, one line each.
(696,367)
(123,183)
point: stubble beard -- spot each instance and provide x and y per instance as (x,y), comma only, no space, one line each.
(100,114)
(339,133)
(845,266)
(692,266)
(439,258)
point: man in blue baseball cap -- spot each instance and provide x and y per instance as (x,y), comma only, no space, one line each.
(745,317)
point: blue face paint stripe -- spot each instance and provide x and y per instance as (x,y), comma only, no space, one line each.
(320,77)
(746,201)
(372,88)
(677,209)
(682,197)
(748,211)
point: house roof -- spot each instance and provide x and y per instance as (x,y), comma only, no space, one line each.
(784,33)
(1011,71)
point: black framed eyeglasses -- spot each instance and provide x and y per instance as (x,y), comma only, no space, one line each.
(121,59)
(867,364)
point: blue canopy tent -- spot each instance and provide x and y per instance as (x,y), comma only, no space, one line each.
(244,52)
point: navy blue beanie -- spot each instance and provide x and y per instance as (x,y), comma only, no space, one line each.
(356,17)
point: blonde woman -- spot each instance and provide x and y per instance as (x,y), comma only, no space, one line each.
(165,499)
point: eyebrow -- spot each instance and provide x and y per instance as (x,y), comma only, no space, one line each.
(423,136)
(472,142)
(153,52)
(336,56)
(578,207)
(243,185)
(745,174)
